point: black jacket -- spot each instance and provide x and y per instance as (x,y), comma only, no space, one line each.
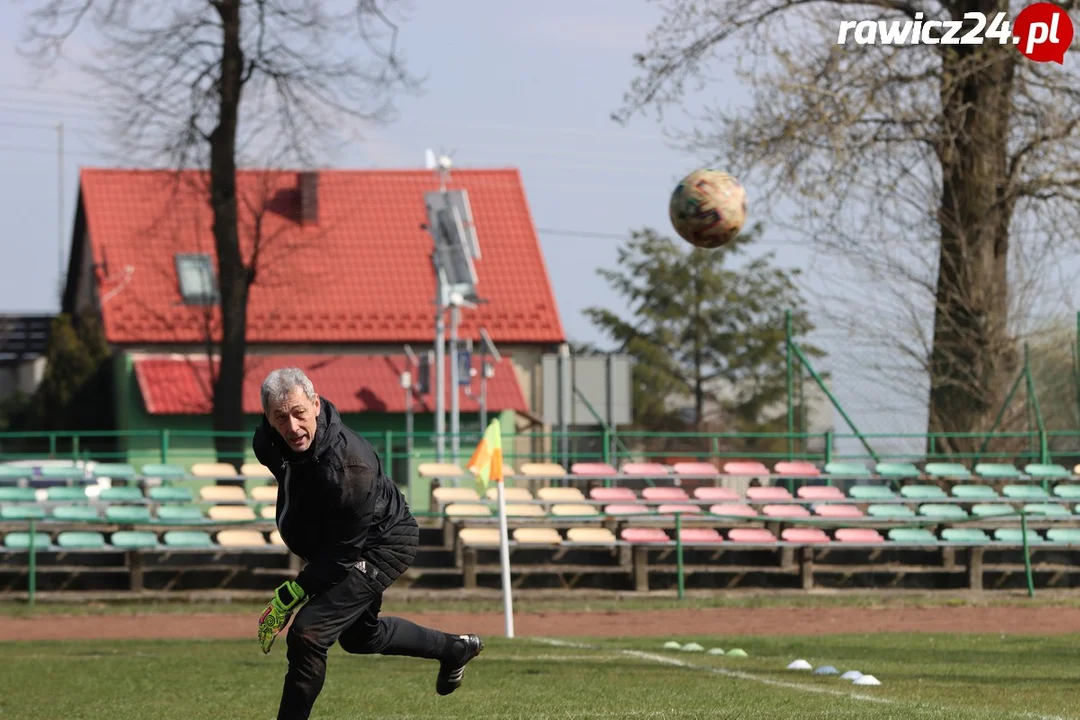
(336,506)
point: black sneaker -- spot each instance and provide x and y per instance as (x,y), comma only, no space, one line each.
(452,671)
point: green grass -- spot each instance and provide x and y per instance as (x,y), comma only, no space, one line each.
(923,676)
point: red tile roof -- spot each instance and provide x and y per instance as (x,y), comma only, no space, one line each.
(180,385)
(362,274)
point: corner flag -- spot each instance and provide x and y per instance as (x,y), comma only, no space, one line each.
(486,460)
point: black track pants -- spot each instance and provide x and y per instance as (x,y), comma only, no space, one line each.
(347,613)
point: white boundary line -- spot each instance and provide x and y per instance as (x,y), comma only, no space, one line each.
(741,675)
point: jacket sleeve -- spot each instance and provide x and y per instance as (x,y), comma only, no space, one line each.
(354,498)
(260,445)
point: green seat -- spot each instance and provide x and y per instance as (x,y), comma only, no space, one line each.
(996,471)
(115,471)
(17,495)
(923,492)
(1070,492)
(62,472)
(15,472)
(992,510)
(974,492)
(121,494)
(942,510)
(947,470)
(76,513)
(1049,470)
(188,539)
(1049,509)
(180,514)
(163,471)
(896,471)
(890,511)
(1015,535)
(847,469)
(1024,492)
(912,535)
(77,539)
(22,512)
(871,492)
(164,494)
(62,493)
(969,536)
(133,539)
(1070,536)
(21,540)
(127,514)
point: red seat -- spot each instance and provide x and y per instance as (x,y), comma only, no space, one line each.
(668,508)
(593,469)
(859,535)
(799,468)
(695,468)
(715,494)
(613,494)
(785,511)
(820,492)
(745,468)
(626,509)
(804,535)
(768,493)
(751,535)
(645,535)
(837,510)
(701,535)
(736,509)
(668,494)
(645,470)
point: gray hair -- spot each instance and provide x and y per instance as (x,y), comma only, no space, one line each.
(280,383)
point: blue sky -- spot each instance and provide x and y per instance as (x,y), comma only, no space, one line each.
(529,85)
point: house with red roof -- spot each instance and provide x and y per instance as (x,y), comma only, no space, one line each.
(343,281)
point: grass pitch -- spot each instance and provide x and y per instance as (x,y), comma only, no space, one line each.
(923,676)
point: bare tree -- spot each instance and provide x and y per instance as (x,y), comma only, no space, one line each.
(927,168)
(200,83)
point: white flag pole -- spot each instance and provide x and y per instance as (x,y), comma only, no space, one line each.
(504,560)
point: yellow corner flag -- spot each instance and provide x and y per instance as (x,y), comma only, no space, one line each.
(486,461)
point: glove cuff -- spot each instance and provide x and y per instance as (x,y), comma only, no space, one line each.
(289,594)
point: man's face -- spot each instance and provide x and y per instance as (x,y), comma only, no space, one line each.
(294,419)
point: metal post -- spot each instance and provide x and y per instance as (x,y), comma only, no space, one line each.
(455,387)
(1078,366)
(483,392)
(407,384)
(440,369)
(565,398)
(609,381)
(31,580)
(679,556)
(1027,554)
(60,209)
(790,386)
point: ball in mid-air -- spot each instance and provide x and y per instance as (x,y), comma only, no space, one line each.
(708,208)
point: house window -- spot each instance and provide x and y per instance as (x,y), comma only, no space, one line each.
(197,282)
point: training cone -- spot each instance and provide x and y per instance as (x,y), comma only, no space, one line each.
(799,665)
(672,645)
(737,652)
(826,670)
(851,675)
(716,651)
(692,647)
(867,680)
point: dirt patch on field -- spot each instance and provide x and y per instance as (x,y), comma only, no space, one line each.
(656,623)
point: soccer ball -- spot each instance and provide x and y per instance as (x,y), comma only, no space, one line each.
(708,208)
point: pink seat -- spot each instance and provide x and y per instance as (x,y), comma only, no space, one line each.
(613,494)
(715,494)
(593,469)
(659,494)
(840,511)
(859,535)
(695,468)
(645,535)
(626,509)
(768,493)
(804,535)
(668,508)
(736,509)
(751,535)
(820,492)
(744,468)
(701,535)
(785,511)
(645,469)
(799,468)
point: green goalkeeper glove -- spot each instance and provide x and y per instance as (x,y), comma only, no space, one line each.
(287,597)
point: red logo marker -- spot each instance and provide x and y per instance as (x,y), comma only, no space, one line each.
(1043,32)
